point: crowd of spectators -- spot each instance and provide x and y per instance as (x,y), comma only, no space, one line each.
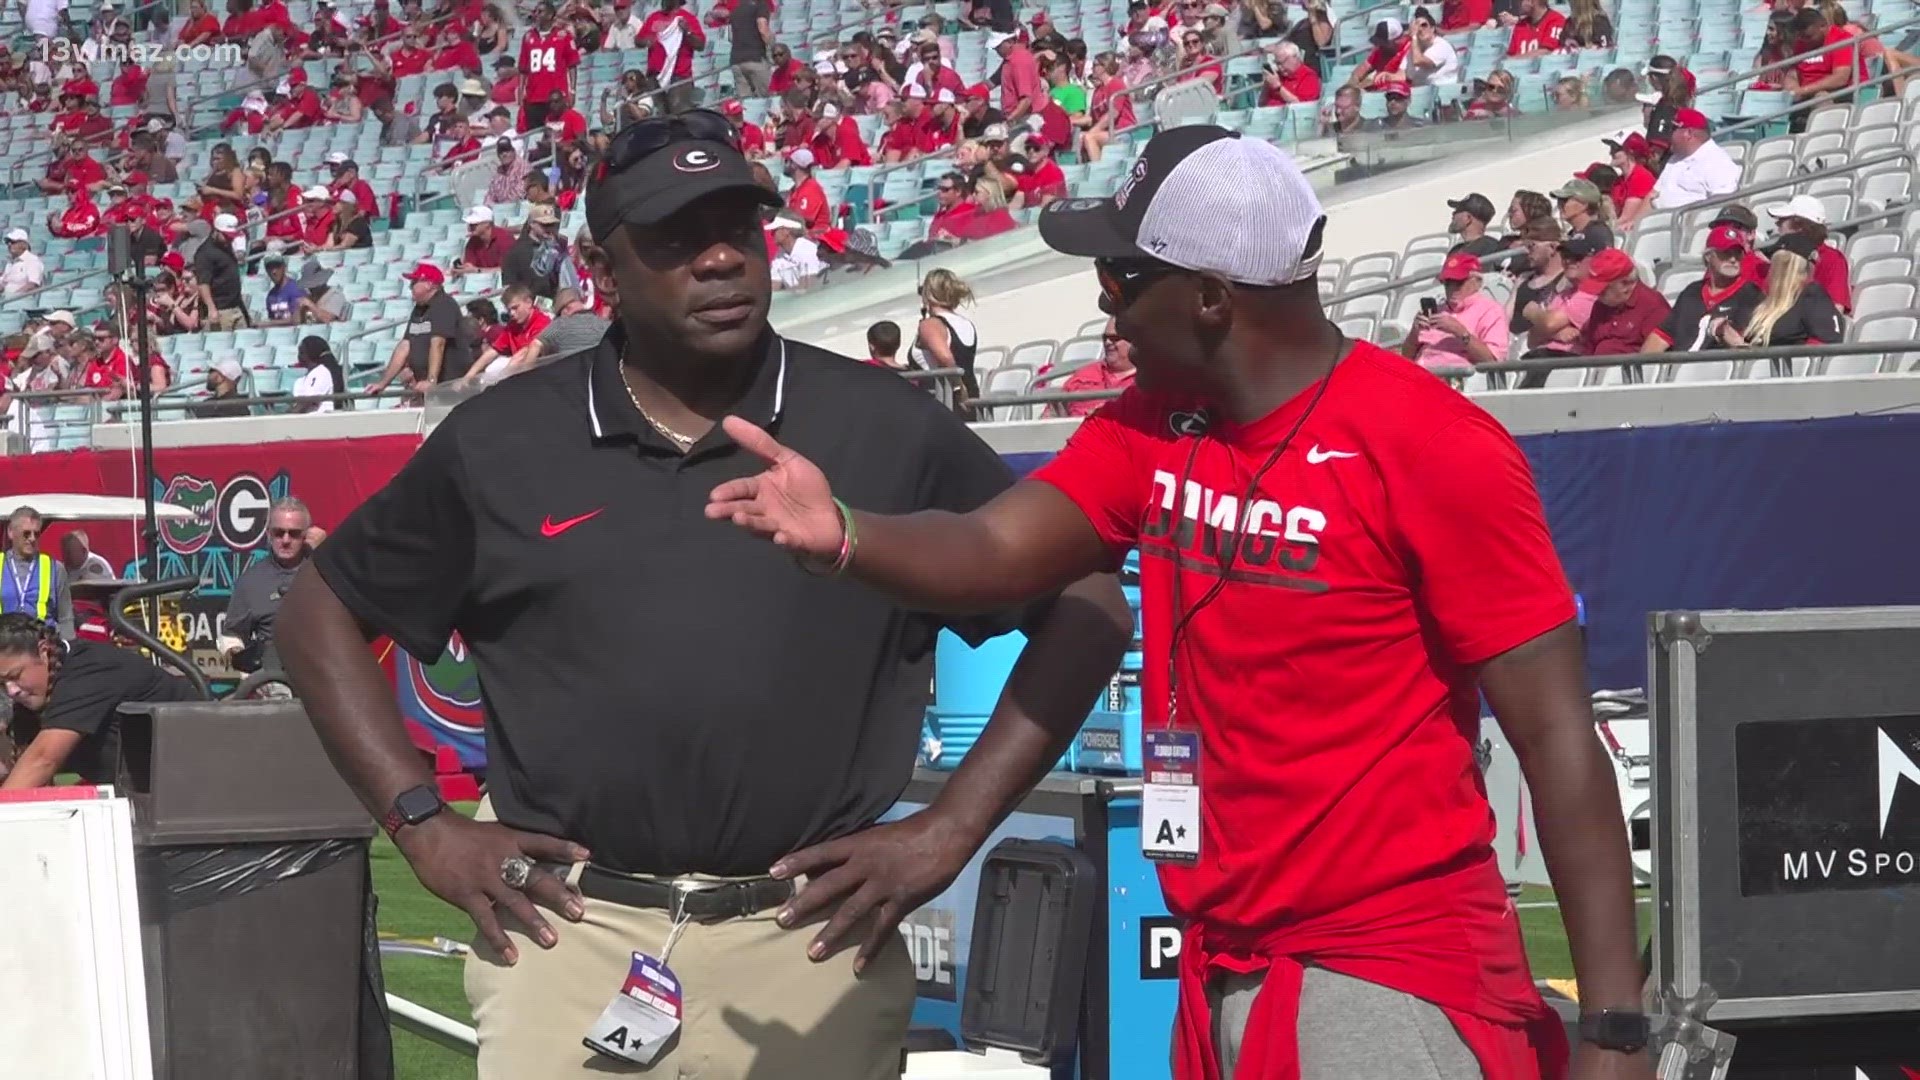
(1552,283)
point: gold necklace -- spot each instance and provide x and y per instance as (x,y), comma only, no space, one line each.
(681,442)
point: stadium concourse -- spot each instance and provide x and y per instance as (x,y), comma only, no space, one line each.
(337,150)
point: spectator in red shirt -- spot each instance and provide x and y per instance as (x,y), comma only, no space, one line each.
(903,137)
(1387,63)
(241,23)
(457,52)
(783,69)
(346,177)
(941,128)
(1633,195)
(807,199)
(753,140)
(129,86)
(80,220)
(1113,371)
(953,209)
(1022,90)
(1806,216)
(564,123)
(1626,312)
(838,139)
(315,217)
(1198,64)
(1288,80)
(74,170)
(1394,568)
(411,56)
(672,35)
(548,59)
(934,74)
(1110,106)
(1039,180)
(300,104)
(487,243)
(1829,72)
(1538,29)
(200,26)
(507,351)
(1465,14)
(250,117)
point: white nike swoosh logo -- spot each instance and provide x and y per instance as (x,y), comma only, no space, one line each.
(1317,456)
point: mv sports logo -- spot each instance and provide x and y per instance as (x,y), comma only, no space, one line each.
(1828,804)
(1199,528)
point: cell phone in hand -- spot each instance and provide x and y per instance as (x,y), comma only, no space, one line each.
(1429,306)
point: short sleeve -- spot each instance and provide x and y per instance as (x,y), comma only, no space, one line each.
(1670,328)
(1471,526)
(964,474)
(86,697)
(1101,472)
(444,319)
(401,561)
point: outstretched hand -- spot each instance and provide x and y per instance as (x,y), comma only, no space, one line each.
(790,503)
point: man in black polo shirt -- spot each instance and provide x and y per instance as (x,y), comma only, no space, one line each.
(1723,297)
(434,350)
(685,706)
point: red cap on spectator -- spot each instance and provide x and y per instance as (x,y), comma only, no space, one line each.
(1460,266)
(297,77)
(1726,238)
(1587,173)
(136,178)
(732,107)
(1040,17)
(426,271)
(1610,266)
(1690,118)
(981,91)
(174,261)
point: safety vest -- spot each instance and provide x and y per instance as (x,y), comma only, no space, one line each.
(13,597)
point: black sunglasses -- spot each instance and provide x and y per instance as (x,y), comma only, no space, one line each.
(1123,280)
(638,140)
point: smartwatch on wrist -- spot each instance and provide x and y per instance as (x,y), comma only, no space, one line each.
(1626,1030)
(411,807)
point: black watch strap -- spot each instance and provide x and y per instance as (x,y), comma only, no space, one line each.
(411,807)
(1627,1030)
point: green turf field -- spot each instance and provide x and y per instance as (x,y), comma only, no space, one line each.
(409,911)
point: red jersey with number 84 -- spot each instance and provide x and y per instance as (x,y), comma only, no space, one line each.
(547,61)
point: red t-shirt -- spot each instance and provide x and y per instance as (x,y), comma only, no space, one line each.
(1830,273)
(316,229)
(1397,544)
(903,137)
(408,61)
(753,140)
(241,27)
(204,28)
(809,200)
(459,56)
(128,86)
(1543,36)
(1637,184)
(547,62)
(80,173)
(1814,68)
(1039,181)
(510,339)
(304,108)
(692,39)
(1464,14)
(1388,63)
(1304,82)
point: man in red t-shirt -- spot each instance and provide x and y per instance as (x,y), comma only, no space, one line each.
(548,58)
(523,325)
(346,177)
(1633,193)
(1827,72)
(672,35)
(1038,178)
(807,199)
(1288,79)
(1349,554)
(1538,30)
(902,140)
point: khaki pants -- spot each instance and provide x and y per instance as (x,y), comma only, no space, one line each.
(755,1007)
(229,318)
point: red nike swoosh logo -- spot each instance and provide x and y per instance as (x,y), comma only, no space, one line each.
(551,528)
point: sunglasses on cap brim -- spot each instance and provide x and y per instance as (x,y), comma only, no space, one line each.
(639,140)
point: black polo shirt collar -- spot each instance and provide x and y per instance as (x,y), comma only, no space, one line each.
(613,415)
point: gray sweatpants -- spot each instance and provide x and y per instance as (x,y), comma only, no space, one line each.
(1349,1028)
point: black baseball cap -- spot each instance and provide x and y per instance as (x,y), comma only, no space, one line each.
(664,182)
(1578,246)
(1735,214)
(1475,205)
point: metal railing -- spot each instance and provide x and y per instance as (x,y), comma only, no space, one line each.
(1732,82)
(1825,97)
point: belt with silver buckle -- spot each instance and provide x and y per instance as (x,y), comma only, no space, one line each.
(693,898)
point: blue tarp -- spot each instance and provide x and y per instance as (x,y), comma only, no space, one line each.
(1810,513)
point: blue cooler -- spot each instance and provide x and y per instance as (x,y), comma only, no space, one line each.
(966,687)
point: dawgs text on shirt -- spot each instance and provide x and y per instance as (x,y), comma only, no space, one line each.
(1396,544)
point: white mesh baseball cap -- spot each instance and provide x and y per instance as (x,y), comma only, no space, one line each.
(1201,198)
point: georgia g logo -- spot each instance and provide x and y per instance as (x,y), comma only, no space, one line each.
(695,160)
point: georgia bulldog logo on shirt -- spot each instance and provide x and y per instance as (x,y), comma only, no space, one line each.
(1132,181)
(1279,545)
